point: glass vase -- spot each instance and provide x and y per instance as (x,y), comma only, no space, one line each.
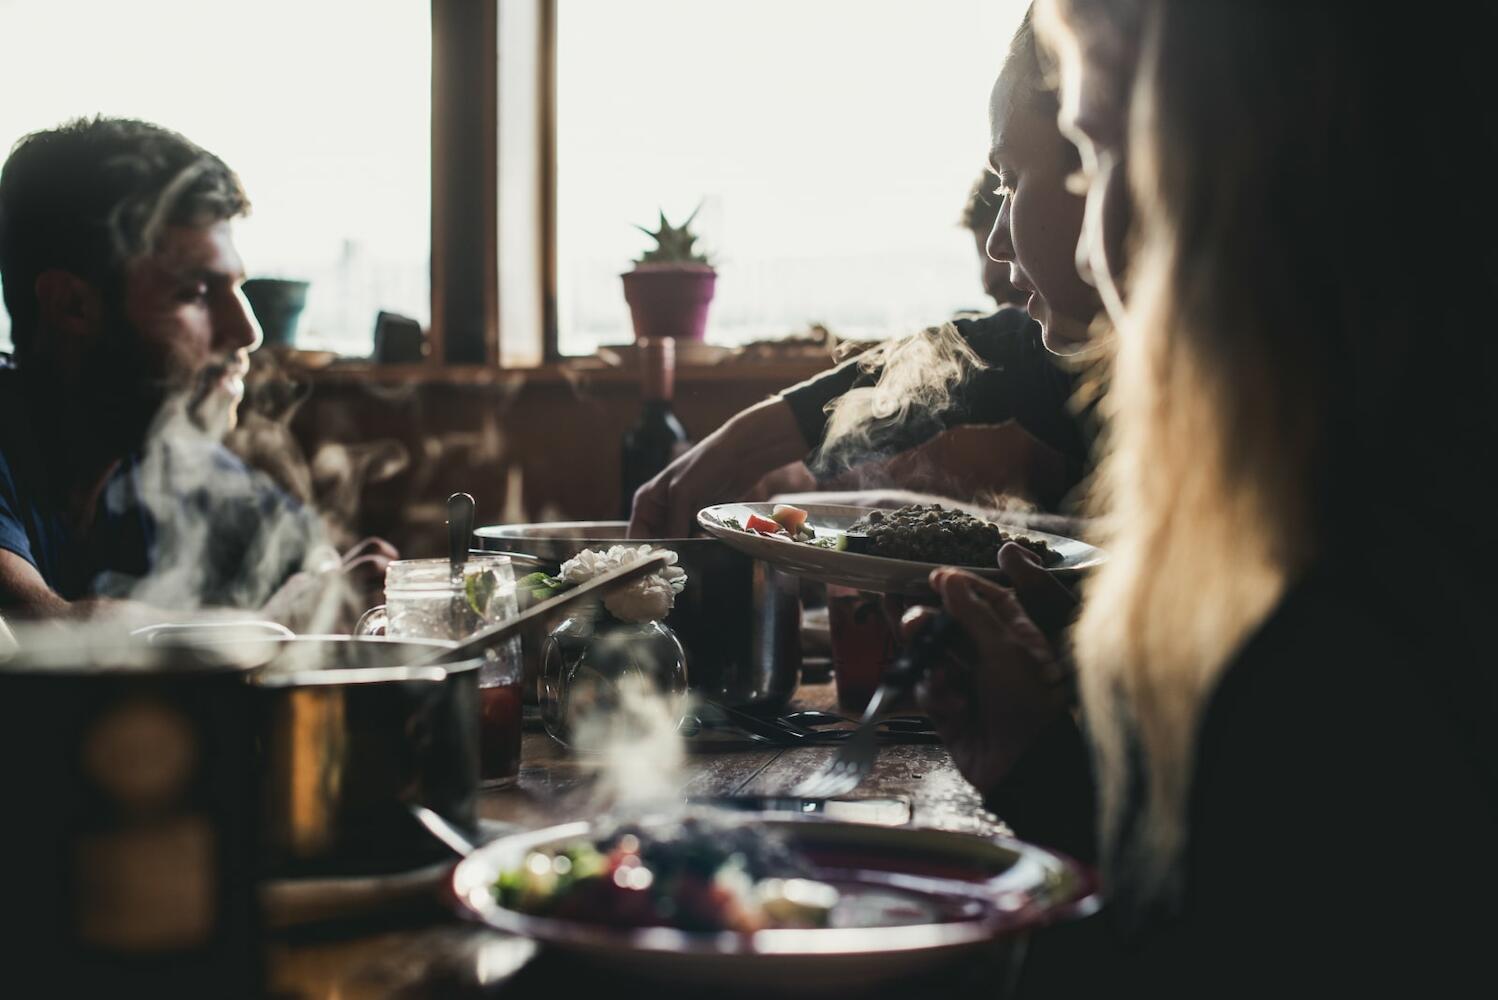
(592,664)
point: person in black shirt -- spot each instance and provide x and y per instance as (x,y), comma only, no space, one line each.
(1006,371)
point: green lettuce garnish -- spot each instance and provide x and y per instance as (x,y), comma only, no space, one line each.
(538,586)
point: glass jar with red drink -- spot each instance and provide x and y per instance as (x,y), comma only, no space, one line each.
(864,641)
(423,600)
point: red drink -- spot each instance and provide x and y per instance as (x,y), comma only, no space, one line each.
(863,644)
(499,733)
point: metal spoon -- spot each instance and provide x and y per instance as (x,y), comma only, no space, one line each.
(443,831)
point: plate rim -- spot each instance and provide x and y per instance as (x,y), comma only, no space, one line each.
(467,882)
(912,574)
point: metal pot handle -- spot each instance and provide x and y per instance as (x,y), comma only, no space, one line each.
(550,566)
(375,621)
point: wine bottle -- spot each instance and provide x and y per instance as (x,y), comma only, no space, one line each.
(657,436)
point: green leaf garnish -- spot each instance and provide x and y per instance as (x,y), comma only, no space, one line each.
(479,589)
(538,587)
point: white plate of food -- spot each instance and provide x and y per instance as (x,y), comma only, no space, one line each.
(885,551)
(742,901)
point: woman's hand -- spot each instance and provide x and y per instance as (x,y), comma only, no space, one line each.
(999,690)
(723,467)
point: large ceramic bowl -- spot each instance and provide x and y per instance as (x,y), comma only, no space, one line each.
(934,897)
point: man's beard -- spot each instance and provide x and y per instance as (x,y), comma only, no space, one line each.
(213,412)
(135,394)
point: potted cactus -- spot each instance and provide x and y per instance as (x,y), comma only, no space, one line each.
(671,285)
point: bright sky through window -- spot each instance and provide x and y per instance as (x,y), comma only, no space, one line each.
(322,107)
(831,144)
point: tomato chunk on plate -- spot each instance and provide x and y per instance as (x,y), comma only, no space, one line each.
(788,517)
(762,524)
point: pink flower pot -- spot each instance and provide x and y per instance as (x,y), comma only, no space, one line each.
(669,300)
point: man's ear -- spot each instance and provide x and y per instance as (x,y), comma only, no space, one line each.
(68,305)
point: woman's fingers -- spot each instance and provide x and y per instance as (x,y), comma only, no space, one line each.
(1049,603)
(914,618)
(1011,621)
(965,598)
(999,628)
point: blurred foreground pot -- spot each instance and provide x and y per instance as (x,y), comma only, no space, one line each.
(130,832)
(738,620)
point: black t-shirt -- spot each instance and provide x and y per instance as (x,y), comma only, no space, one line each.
(1343,805)
(1021,381)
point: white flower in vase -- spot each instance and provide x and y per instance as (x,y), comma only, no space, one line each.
(647,599)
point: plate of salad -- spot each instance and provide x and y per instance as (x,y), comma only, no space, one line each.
(889,551)
(715,898)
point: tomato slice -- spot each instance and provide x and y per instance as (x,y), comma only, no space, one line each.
(788,517)
(764,524)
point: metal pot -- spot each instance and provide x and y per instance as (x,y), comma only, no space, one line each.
(354,735)
(739,620)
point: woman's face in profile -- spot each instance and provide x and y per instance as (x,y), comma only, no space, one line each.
(1095,79)
(1039,222)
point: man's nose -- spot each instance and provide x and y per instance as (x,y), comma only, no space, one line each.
(235,328)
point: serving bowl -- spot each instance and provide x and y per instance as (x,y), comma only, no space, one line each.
(938,896)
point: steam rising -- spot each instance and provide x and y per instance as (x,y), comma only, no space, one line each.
(917,377)
(641,757)
(224,535)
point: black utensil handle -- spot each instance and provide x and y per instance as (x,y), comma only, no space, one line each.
(933,639)
(459,527)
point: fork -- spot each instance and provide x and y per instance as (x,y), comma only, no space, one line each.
(856,755)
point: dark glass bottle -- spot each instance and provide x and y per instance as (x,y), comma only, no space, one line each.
(657,436)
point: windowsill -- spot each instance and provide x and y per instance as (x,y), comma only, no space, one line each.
(575,370)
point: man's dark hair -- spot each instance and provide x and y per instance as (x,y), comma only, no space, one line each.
(981,210)
(92,194)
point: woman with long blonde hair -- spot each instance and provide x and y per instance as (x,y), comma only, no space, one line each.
(1286,669)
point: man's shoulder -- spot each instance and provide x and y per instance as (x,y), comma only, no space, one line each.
(1008,332)
(1007,320)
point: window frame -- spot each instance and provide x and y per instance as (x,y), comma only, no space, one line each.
(467,45)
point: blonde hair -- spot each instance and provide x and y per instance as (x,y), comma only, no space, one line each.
(1265,380)
(1200,549)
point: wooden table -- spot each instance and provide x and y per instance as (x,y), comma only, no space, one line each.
(424,954)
